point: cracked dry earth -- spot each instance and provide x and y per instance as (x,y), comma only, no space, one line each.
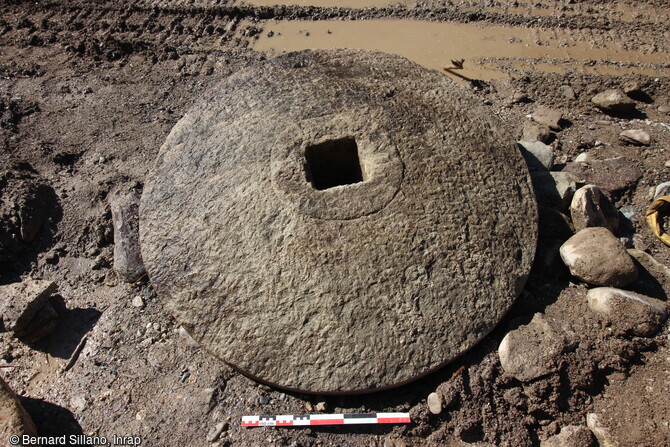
(89,92)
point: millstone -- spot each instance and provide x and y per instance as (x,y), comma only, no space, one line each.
(338,221)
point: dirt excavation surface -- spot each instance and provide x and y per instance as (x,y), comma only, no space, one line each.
(89,92)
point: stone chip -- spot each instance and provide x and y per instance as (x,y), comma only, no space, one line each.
(591,208)
(22,301)
(532,350)
(637,137)
(127,257)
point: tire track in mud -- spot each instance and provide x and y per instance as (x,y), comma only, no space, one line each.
(167,29)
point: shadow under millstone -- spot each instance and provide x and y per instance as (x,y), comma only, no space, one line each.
(539,293)
(53,420)
(74,324)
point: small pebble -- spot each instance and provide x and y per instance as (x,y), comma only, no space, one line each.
(532,350)
(138,301)
(434,402)
(662,189)
(613,101)
(584,157)
(263,400)
(216,431)
(548,117)
(567,92)
(635,136)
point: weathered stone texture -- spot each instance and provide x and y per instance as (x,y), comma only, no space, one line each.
(354,287)
(127,257)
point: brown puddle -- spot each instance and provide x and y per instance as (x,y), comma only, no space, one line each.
(434,44)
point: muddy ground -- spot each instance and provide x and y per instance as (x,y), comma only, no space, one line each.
(90,90)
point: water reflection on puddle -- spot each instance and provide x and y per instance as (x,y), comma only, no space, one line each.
(434,44)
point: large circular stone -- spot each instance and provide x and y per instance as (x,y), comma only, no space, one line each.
(338,221)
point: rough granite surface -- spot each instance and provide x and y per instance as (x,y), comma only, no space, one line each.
(356,287)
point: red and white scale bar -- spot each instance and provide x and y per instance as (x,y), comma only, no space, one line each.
(290,420)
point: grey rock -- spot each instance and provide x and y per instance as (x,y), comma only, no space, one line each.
(664,109)
(434,403)
(628,211)
(538,155)
(22,301)
(631,87)
(571,436)
(584,157)
(259,248)
(186,374)
(533,131)
(635,136)
(554,189)
(652,190)
(613,175)
(567,92)
(531,351)
(14,419)
(42,324)
(628,312)
(662,189)
(548,117)
(613,101)
(128,262)
(216,431)
(597,257)
(591,208)
(602,432)
(519,97)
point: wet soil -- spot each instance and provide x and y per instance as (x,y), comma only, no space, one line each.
(88,93)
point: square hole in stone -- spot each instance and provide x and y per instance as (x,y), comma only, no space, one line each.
(333,163)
